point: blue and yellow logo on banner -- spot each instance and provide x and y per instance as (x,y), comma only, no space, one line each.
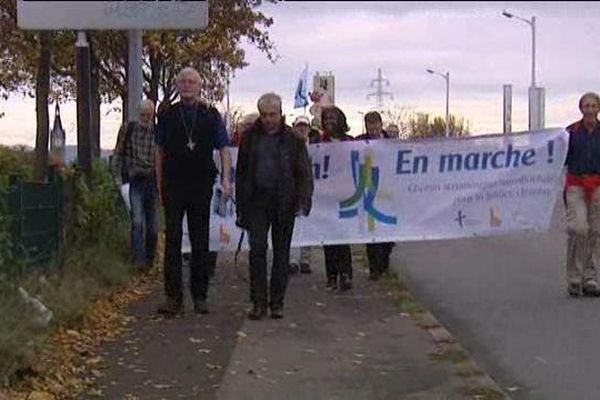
(366,183)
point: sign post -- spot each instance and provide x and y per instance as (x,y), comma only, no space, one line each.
(84,103)
(133,16)
(134,72)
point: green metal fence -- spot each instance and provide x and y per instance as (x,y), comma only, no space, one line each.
(35,215)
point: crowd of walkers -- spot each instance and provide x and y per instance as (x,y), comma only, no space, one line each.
(170,163)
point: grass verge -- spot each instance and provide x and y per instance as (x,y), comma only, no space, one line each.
(94,265)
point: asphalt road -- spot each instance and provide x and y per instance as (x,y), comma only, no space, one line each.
(504,299)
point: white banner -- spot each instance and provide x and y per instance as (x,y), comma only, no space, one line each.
(394,190)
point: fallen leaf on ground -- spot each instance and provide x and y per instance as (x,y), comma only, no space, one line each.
(96,393)
(162,386)
(35,395)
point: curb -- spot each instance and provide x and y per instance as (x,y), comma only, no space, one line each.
(478,384)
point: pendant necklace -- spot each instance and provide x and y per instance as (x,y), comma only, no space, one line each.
(190,144)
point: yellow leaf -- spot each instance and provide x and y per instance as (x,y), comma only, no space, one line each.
(40,396)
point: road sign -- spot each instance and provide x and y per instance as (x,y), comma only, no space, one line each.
(118,15)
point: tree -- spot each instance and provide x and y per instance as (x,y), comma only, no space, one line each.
(399,116)
(215,52)
(422,125)
(25,67)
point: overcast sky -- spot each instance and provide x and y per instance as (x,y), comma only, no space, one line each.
(480,48)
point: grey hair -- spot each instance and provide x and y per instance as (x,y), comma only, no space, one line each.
(186,71)
(591,95)
(146,104)
(269,99)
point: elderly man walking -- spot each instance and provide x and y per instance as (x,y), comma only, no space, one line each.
(273,185)
(133,163)
(187,134)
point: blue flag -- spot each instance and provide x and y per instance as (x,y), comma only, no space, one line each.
(301,95)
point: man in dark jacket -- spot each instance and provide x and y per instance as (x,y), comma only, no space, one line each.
(273,185)
(187,134)
(377,253)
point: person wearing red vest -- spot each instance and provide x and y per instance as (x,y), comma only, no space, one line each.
(582,199)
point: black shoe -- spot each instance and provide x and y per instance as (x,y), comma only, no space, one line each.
(277,313)
(591,288)
(574,289)
(200,306)
(305,268)
(294,268)
(332,283)
(258,312)
(345,283)
(171,308)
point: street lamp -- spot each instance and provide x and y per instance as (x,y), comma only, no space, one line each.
(532,24)
(446,76)
(536,95)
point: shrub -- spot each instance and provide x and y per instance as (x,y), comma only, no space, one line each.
(94,263)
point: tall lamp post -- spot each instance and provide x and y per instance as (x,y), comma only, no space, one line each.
(446,76)
(536,95)
(531,23)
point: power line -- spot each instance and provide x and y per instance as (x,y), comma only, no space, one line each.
(379,93)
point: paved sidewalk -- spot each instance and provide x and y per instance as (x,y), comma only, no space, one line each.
(337,346)
(330,345)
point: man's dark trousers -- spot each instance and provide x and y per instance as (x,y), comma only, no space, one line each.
(196,204)
(338,260)
(378,255)
(264,214)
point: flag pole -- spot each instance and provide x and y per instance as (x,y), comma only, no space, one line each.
(306,68)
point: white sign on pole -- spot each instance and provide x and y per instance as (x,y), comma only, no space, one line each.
(117,15)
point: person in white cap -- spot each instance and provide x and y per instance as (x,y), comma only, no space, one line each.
(300,258)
